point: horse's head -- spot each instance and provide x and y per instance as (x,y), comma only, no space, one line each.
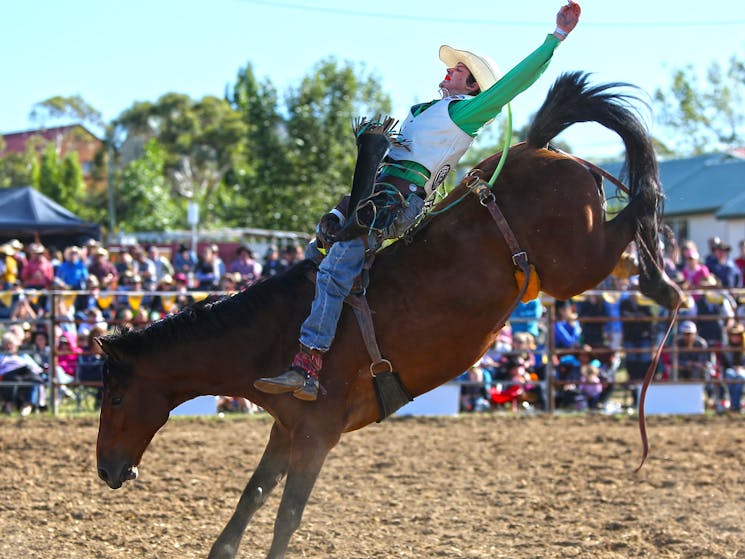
(132,411)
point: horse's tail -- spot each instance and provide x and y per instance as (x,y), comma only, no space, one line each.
(571,100)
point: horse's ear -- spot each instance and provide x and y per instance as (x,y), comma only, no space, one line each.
(107,347)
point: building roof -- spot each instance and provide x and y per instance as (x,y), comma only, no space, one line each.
(15,142)
(710,183)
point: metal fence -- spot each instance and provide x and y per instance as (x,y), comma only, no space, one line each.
(56,301)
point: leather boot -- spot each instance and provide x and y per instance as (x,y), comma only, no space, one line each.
(301,378)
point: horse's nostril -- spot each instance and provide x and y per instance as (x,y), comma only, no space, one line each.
(103,474)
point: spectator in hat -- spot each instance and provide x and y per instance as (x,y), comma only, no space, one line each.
(103,269)
(38,272)
(73,271)
(723,267)
(145,269)
(8,266)
(715,310)
(694,362)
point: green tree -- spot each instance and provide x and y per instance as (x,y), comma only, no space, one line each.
(145,200)
(321,147)
(50,173)
(72,183)
(702,115)
(201,141)
(66,110)
(19,169)
(253,182)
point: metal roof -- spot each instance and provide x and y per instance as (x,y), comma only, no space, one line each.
(711,183)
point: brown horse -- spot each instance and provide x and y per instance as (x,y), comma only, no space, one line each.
(438,304)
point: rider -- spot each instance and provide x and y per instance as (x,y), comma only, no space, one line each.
(432,140)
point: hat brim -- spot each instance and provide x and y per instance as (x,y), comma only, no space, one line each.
(484,70)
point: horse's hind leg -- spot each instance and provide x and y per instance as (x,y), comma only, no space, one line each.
(268,473)
(309,451)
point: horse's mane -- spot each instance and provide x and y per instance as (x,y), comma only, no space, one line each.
(210,317)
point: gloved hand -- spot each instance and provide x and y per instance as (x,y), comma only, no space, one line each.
(328,227)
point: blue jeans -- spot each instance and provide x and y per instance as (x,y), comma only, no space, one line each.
(336,275)
(335,278)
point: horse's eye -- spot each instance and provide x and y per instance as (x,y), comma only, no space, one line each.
(116,400)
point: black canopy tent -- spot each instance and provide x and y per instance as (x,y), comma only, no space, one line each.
(29,216)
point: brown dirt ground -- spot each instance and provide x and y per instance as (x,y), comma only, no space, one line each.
(475,486)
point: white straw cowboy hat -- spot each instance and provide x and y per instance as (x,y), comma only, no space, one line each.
(484,69)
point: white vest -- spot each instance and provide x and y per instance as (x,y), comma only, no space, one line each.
(433,140)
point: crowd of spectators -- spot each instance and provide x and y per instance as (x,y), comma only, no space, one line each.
(593,337)
(614,329)
(129,286)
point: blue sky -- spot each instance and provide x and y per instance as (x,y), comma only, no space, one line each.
(116,53)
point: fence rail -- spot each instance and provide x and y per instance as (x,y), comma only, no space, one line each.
(57,303)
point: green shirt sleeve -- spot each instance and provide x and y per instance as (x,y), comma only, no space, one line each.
(470,115)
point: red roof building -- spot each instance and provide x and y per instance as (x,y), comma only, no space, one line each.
(67,139)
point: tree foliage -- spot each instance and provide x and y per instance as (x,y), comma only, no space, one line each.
(144,198)
(65,110)
(702,114)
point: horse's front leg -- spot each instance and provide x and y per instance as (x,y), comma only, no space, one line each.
(309,451)
(268,473)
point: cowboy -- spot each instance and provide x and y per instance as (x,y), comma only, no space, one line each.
(431,142)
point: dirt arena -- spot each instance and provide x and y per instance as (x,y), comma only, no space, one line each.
(475,486)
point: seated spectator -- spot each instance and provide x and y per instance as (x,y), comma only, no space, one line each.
(92,318)
(184,261)
(473,390)
(231,282)
(103,270)
(163,266)
(8,266)
(207,272)
(17,367)
(591,386)
(22,309)
(740,260)
(693,270)
(245,265)
(125,264)
(715,310)
(593,306)
(273,265)
(145,269)
(567,331)
(518,383)
(293,254)
(38,272)
(732,364)
(638,337)
(526,318)
(73,271)
(90,363)
(67,359)
(723,267)
(694,362)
